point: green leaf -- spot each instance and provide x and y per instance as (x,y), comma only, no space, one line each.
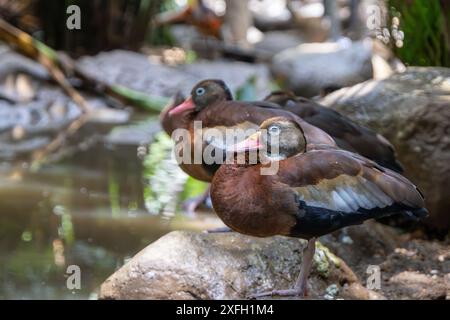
(139,99)
(247,92)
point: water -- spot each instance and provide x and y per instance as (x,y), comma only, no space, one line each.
(92,210)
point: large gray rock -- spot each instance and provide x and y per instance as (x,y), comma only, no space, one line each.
(274,42)
(310,68)
(412,110)
(187,265)
(138,72)
(36,110)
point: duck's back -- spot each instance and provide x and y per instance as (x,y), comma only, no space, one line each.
(347,134)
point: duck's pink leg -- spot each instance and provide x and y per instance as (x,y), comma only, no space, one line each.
(300,288)
(191,205)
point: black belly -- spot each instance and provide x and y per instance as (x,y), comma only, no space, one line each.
(316,221)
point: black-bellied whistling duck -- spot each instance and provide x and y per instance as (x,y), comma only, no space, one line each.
(347,134)
(212,103)
(316,189)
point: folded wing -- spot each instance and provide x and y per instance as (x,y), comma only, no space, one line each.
(337,188)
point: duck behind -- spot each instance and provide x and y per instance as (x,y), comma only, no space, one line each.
(347,134)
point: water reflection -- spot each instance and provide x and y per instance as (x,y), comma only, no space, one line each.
(92,211)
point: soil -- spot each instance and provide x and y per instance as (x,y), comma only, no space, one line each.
(411,267)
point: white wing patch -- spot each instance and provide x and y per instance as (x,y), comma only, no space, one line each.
(344,193)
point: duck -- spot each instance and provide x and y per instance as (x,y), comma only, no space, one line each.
(211,102)
(317,188)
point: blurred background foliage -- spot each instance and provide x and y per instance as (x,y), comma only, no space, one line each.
(425,24)
(105,25)
(126,24)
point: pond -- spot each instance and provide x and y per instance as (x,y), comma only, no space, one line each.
(95,210)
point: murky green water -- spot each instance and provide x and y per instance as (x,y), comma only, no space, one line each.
(94,210)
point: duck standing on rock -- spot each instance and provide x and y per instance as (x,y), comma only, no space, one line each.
(211,102)
(317,189)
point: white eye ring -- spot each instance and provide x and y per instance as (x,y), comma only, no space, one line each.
(274,130)
(200,91)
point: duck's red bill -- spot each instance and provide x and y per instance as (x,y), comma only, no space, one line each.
(187,104)
(251,143)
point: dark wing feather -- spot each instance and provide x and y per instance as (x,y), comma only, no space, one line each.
(330,170)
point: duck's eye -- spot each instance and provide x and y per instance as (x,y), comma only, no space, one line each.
(274,130)
(200,91)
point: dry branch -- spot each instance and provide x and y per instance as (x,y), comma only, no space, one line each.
(25,44)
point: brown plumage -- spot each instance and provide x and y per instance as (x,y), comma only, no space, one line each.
(318,188)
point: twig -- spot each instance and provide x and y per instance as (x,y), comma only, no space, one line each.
(58,67)
(38,51)
(40,155)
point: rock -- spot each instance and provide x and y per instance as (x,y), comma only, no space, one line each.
(187,265)
(136,134)
(137,72)
(421,286)
(16,63)
(311,68)
(270,15)
(29,124)
(274,42)
(412,110)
